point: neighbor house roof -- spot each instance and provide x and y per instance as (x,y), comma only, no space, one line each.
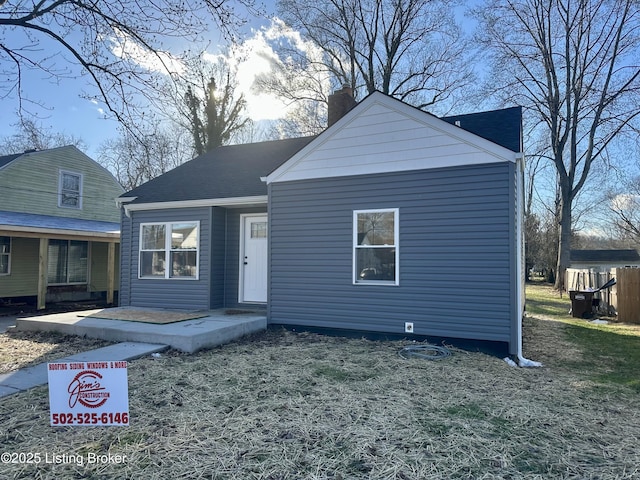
(605,256)
(224,172)
(7,159)
(32,223)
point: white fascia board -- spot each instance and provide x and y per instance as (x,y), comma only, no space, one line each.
(205,202)
(496,152)
(122,200)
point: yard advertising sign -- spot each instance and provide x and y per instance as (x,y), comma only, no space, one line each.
(88,393)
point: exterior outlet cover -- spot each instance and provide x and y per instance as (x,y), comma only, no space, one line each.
(408,327)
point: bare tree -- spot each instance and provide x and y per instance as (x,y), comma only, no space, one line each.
(213,111)
(626,212)
(32,135)
(116,44)
(136,159)
(573,65)
(410,49)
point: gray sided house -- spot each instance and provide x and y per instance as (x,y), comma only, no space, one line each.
(389,217)
(59,227)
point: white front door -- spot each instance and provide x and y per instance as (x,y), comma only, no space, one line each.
(253,259)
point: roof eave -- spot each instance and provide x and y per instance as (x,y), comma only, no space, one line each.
(204,202)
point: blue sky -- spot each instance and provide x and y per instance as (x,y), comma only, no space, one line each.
(62,108)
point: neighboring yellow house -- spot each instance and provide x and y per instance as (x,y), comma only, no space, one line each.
(59,227)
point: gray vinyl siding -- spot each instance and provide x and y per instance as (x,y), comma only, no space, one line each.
(126,255)
(167,293)
(217,286)
(217,250)
(457,253)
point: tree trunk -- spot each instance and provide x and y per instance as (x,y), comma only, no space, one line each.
(564,240)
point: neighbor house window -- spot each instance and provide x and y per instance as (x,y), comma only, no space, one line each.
(70,190)
(67,262)
(5,255)
(169,250)
(375,246)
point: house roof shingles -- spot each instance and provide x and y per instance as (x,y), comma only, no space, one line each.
(604,256)
(234,171)
(499,126)
(224,172)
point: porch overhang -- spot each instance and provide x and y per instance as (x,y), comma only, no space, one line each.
(230,202)
(48,227)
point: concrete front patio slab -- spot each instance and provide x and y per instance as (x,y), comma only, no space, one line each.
(188,336)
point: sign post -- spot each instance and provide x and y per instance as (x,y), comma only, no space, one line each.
(88,393)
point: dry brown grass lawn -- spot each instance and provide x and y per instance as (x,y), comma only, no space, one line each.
(282,405)
(26,349)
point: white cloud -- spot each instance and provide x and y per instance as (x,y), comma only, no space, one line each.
(625,201)
(257,56)
(125,47)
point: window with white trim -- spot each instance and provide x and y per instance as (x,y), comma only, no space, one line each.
(169,250)
(375,246)
(70,190)
(68,262)
(5,255)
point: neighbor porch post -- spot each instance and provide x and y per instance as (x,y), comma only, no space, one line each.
(42,272)
(111,271)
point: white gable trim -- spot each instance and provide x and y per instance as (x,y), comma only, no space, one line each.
(381,135)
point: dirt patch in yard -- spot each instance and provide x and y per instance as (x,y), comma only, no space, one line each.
(285,405)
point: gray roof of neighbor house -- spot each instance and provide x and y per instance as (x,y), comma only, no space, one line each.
(224,172)
(32,222)
(604,256)
(7,159)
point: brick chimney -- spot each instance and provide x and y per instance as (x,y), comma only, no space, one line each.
(340,102)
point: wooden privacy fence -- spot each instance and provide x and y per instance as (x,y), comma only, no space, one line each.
(591,279)
(628,283)
(623,297)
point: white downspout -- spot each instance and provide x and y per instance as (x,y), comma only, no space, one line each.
(520,261)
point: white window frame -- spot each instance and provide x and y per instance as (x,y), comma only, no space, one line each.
(61,189)
(356,247)
(8,255)
(167,249)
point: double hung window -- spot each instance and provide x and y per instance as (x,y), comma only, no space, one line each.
(70,190)
(5,255)
(169,250)
(375,246)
